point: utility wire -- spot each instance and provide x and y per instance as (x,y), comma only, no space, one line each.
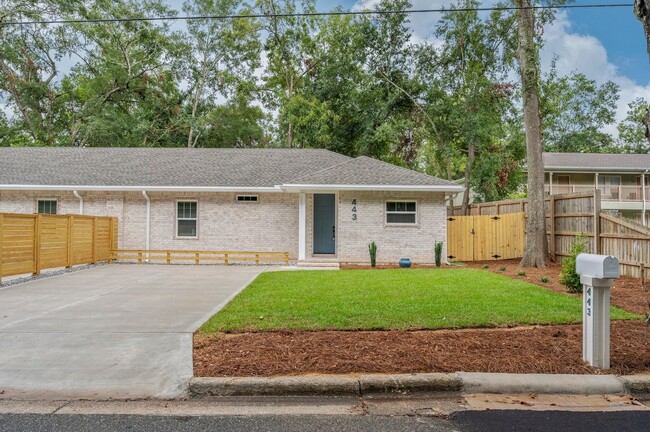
(315,14)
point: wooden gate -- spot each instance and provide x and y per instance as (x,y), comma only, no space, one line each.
(487,237)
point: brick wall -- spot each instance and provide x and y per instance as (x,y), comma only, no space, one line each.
(271,224)
(393,242)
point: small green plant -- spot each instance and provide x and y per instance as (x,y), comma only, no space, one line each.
(521,273)
(502,268)
(438,250)
(568,275)
(544,279)
(485,266)
(372,249)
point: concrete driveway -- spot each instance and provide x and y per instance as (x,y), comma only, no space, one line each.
(116,331)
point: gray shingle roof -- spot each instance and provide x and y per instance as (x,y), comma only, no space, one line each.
(177,167)
(194,168)
(367,171)
(597,161)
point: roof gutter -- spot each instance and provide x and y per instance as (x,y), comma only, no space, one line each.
(397,188)
(141,188)
(81,201)
(590,170)
(148,220)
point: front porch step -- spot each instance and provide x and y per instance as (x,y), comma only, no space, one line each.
(312,263)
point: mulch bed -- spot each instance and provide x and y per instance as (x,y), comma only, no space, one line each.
(542,349)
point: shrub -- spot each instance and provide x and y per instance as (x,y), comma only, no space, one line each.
(568,275)
(544,279)
(372,249)
(521,273)
(486,266)
(438,250)
(502,268)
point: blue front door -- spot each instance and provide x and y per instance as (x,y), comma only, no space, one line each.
(324,223)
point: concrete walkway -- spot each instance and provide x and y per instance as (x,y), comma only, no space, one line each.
(117,331)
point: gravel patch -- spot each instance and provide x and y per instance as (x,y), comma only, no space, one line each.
(11,281)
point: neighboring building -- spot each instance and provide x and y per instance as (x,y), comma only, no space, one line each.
(314,204)
(618,176)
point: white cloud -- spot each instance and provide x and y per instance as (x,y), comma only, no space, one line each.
(586,54)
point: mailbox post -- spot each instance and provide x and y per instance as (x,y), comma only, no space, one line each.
(597,273)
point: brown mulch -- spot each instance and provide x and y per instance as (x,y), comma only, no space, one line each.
(542,349)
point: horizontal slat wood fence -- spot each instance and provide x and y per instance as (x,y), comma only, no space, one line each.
(196,256)
(30,243)
(579,213)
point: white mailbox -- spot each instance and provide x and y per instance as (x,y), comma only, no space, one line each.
(597,273)
(597,266)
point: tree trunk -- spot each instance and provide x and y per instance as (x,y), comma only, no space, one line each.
(536,253)
(471,154)
(642,12)
(451,196)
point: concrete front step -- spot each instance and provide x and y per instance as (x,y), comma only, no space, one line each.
(319,264)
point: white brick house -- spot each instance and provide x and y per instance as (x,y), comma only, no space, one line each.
(314,204)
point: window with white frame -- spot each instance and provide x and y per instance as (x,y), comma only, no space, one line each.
(401,212)
(186,219)
(46,206)
(246,198)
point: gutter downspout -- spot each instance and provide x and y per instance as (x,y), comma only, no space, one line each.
(148,225)
(643,187)
(81,201)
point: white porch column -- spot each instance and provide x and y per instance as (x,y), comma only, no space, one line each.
(550,183)
(302,226)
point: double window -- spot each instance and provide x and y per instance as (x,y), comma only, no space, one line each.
(186,219)
(401,212)
(46,206)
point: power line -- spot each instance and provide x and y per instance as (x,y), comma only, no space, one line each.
(315,14)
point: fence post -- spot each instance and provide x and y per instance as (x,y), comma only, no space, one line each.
(1,224)
(551,203)
(597,221)
(110,241)
(94,258)
(642,274)
(70,227)
(37,245)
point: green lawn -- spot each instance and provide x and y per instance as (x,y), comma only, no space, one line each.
(393,299)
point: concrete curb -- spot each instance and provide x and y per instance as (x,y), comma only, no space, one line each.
(462,382)
(638,385)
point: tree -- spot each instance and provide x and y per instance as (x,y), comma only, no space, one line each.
(235,124)
(124,89)
(575,110)
(642,12)
(289,48)
(29,72)
(536,253)
(220,53)
(631,131)
(470,101)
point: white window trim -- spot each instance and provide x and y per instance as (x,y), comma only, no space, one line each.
(402,224)
(194,219)
(47,199)
(256,200)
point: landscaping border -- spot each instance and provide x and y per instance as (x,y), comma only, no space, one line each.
(451,383)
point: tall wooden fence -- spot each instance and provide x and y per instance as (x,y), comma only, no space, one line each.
(30,243)
(579,213)
(487,237)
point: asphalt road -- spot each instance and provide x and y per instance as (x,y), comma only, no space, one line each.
(468,421)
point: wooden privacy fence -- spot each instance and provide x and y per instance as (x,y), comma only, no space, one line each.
(488,237)
(580,213)
(195,256)
(30,243)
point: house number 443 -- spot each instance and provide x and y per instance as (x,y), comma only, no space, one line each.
(354,209)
